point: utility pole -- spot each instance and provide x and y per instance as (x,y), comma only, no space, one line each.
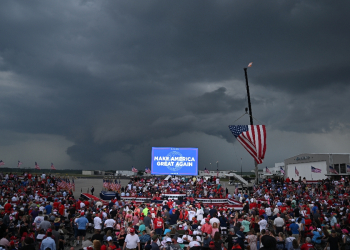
(251,119)
(217,169)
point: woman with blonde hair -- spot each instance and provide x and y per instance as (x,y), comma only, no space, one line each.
(280,238)
(214,229)
(252,240)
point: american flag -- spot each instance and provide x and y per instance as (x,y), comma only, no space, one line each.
(62,184)
(315,170)
(105,184)
(282,171)
(19,164)
(134,170)
(332,170)
(250,64)
(296,171)
(52,166)
(268,170)
(2,163)
(252,138)
(206,171)
(73,184)
(347,168)
(148,171)
(37,166)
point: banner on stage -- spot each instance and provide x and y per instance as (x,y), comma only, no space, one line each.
(174,161)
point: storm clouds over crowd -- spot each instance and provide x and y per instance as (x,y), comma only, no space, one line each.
(96,84)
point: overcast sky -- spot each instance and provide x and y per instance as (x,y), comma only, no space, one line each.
(97,84)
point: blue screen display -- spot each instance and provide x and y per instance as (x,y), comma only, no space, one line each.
(175,161)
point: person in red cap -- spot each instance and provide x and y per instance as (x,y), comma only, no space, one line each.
(132,241)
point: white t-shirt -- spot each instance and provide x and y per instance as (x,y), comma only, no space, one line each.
(194,244)
(189,238)
(290,239)
(262,224)
(191,214)
(97,222)
(38,220)
(268,211)
(131,241)
(109,223)
(278,222)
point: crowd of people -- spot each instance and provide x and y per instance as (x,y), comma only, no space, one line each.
(35,213)
(195,187)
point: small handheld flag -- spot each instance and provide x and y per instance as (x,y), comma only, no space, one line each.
(37,166)
(315,170)
(268,170)
(19,164)
(52,166)
(332,170)
(282,171)
(2,163)
(296,171)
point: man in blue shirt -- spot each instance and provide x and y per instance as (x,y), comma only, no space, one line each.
(295,229)
(48,208)
(317,236)
(314,209)
(48,242)
(81,224)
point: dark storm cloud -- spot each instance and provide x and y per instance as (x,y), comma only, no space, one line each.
(334,76)
(216,101)
(112,75)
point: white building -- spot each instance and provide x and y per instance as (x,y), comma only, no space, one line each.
(312,166)
(124,173)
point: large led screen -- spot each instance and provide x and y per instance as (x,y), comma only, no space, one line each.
(175,161)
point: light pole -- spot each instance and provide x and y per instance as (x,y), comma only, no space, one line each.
(251,119)
(217,168)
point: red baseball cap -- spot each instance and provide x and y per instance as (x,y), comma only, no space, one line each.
(132,230)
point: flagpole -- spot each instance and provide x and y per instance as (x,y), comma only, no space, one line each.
(251,120)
